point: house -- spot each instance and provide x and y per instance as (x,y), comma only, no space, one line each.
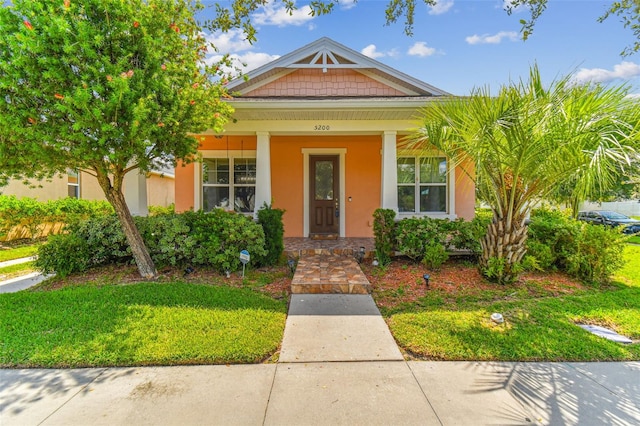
(157,188)
(319,133)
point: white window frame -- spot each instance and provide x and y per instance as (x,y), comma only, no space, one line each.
(76,185)
(232,156)
(449,185)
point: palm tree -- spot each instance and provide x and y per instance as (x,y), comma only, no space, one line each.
(525,142)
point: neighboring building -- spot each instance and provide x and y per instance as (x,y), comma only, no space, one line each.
(157,189)
(319,133)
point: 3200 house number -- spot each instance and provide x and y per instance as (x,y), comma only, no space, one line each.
(320,127)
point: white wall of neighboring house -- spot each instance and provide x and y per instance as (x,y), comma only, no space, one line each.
(630,207)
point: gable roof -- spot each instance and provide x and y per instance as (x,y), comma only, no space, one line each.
(325,54)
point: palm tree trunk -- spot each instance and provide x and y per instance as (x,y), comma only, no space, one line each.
(503,247)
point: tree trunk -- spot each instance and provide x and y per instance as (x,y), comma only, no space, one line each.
(139,250)
(503,247)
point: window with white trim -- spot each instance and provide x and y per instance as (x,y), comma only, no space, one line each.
(422,185)
(225,179)
(73,183)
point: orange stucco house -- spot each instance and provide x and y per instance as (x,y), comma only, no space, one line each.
(319,133)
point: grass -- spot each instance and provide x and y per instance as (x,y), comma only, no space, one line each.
(18,252)
(537,326)
(12,271)
(138,324)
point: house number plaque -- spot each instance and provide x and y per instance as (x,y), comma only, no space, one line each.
(321,127)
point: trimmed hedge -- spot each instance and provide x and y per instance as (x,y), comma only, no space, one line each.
(34,215)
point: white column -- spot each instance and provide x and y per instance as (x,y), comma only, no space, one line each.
(389,172)
(135,193)
(263,171)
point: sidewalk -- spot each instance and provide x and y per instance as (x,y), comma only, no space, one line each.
(334,393)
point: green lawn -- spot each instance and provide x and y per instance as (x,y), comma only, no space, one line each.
(536,328)
(12,271)
(18,252)
(139,324)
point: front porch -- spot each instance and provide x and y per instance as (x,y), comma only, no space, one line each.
(329,266)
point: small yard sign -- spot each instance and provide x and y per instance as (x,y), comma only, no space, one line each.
(244,258)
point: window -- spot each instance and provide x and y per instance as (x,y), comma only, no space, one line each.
(73,183)
(225,179)
(422,184)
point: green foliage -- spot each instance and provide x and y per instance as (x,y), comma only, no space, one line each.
(34,214)
(498,269)
(428,240)
(64,255)
(212,239)
(271,221)
(158,210)
(384,233)
(106,87)
(598,254)
(434,255)
(590,252)
(221,235)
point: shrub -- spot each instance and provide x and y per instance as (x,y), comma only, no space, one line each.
(209,239)
(271,221)
(162,210)
(63,255)
(384,233)
(34,214)
(413,235)
(589,252)
(221,235)
(434,255)
(598,253)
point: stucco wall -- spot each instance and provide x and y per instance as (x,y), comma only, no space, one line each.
(160,190)
(362,179)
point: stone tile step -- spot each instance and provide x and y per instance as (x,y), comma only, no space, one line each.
(329,274)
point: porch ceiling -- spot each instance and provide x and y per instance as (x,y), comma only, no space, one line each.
(249,109)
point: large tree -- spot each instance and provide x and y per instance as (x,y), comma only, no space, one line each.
(526,141)
(104,86)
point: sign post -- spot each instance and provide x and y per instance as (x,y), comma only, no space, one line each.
(244,258)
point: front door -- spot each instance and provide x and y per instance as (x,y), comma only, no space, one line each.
(324,201)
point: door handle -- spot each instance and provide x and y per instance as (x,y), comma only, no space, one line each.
(337,209)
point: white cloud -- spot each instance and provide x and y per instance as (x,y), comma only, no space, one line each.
(229,42)
(634,96)
(421,49)
(279,16)
(442,6)
(245,62)
(492,39)
(624,71)
(346,4)
(371,51)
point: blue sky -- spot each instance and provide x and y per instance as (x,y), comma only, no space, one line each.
(457,45)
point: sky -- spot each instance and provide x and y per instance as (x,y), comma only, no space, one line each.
(457,45)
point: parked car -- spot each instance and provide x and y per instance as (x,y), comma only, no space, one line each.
(610,218)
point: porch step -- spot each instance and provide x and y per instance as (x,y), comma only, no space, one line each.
(329,274)
(302,247)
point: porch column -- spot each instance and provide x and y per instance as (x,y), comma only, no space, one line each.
(263,171)
(389,172)
(135,192)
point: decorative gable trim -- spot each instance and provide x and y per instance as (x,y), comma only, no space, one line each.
(327,54)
